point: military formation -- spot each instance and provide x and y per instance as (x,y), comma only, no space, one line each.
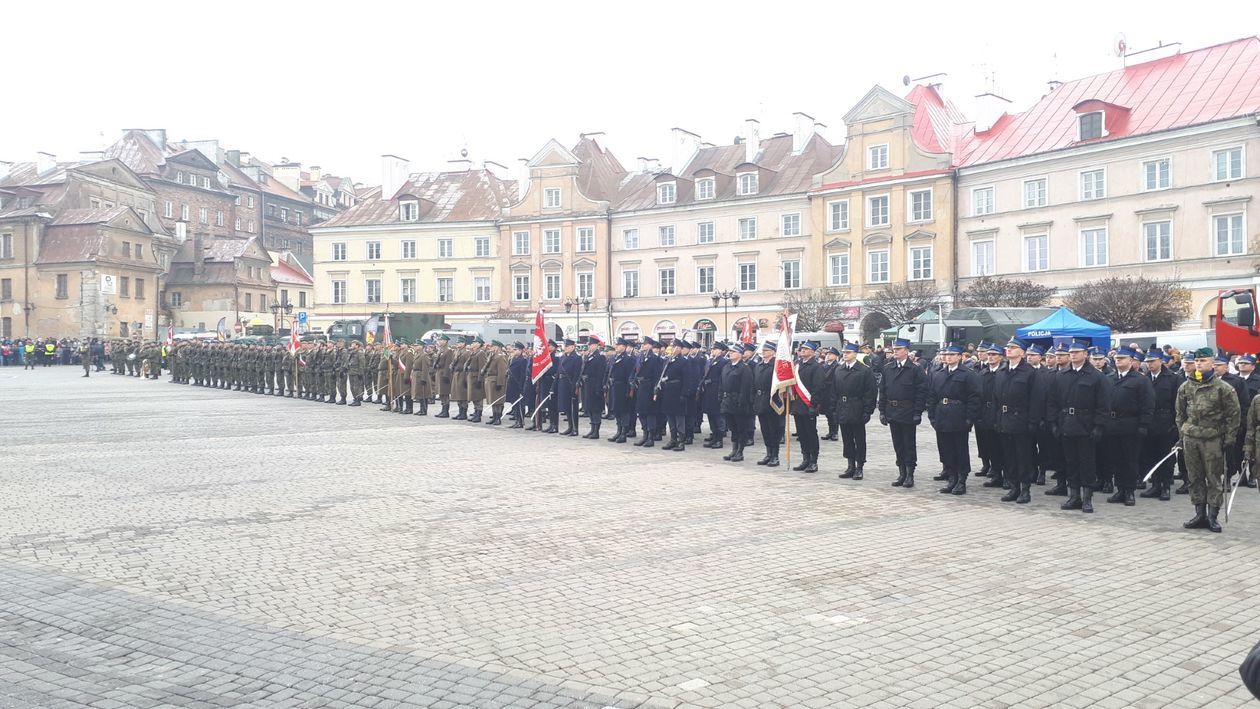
(1074,417)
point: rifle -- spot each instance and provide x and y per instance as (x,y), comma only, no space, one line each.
(656,391)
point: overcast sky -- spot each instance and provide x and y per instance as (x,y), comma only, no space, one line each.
(338,84)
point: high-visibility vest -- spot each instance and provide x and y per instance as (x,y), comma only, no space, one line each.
(50,349)
(30,349)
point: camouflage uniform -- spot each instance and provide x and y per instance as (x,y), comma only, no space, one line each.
(1207,417)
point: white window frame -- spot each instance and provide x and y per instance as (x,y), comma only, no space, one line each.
(372,250)
(629,276)
(838,222)
(667,193)
(839,273)
(183,212)
(238,224)
(1146,240)
(481,247)
(1144,186)
(408,211)
(446,248)
(1102,125)
(1097,193)
(870,263)
(911,218)
(1025,263)
(520,243)
(409,249)
(700,235)
(552,199)
(585,239)
(1242,163)
(743,187)
(630,238)
(666,236)
(449,295)
(661,274)
(550,277)
(785,268)
(1086,253)
(168,210)
(914,250)
(700,284)
(585,281)
(340,294)
(482,284)
(1044,200)
(1242,217)
(550,246)
(203,215)
(992,265)
(783,224)
(872,151)
(746,235)
(517,280)
(339,251)
(739,276)
(402,289)
(976,211)
(870,211)
(367,290)
(703,183)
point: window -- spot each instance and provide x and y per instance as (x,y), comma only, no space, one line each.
(877,157)
(551,286)
(791,274)
(140,289)
(373,288)
(877,210)
(629,284)
(481,289)
(297,217)
(1157,241)
(748,276)
(124,285)
(205,182)
(1094,247)
(1035,192)
(838,270)
(407,286)
(982,201)
(179,177)
(446,290)
(666,235)
(284,214)
(982,258)
(586,285)
(168,209)
(1037,253)
(139,252)
(748,183)
(94,203)
(585,239)
(301,299)
(183,212)
(1090,126)
(262,297)
(177,299)
(374,251)
(520,287)
(410,211)
(1156,174)
(1093,184)
(666,193)
(409,248)
(747,228)
(249,227)
(704,279)
(1227,164)
(250,199)
(631,238)
(338,292)
(665,281)
(1228,232)
(520,243)
(920,205)
(704,188)
(218,217)
(446,248)
(481,246)
(203,215)
(877,267)
(838,215)
(238,223)
(791,224)
(284,295)
(551,198)
(6,289)
(920,263)
(551,241)
(249,301)
(63,286)
(704,233)
(339,251)
(126,249)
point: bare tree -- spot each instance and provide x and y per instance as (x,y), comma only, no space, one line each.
(1131,304)
(903,302)
(813,308)
(990,292)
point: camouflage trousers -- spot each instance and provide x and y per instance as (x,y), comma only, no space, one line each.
(1205,469)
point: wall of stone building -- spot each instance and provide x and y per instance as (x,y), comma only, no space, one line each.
(195,199)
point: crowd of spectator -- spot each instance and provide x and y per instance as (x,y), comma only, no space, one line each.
(46,352)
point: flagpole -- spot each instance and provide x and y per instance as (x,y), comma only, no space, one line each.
(787,426)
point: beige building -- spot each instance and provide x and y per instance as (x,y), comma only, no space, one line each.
(731,222)
(220,281)
(883,213)
(294,286)
(430,244)
(1151,170)
(554,237)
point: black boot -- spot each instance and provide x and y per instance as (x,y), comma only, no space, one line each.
(901,476)
(356,402)
(444,413)
(623,435)
(1153,490)
(673,443)
(943,476)
(1107,488)
(848,471)
(1025,494)
(1212,524)
(813,463)
(1184,489)
(739,453)
(463,412)
(1163,493)
(1059,489)
(774,458)
(984,471)
(680,443)
(617,435)
(995,479)
(1074,500)
(909,481)
(765,459)
(857,472)
(1116,497)
(595,429)
(735,445)
(1199,520)
(801,466)
(1128,498)
(1087,500)
(949,486)
(961,487)
(1041,476)
(716,442)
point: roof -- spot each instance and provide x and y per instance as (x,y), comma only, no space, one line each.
(138,151)
(599,173)
(458,196)
(284,273)
(237,179)
(936,125)
(1064,323)
(97,215)
(1192,88)
(27,173)
(72,243)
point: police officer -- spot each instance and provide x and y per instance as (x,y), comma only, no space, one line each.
(854,396)
(988,445)
(518,374)
(1021,406)
(1079,402)
(1131,406)
(737,400)
(1250,381)
(669,395)
(593,376)
(646,376)
(711,394)
(903,394)
(1207,418)
(1161,433)
(952,409)
(831,359)
(620,373)
(771,421)
(809,375)
(569,371)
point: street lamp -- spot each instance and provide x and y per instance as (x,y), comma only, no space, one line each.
(276,308)
(571,305)
(724,296)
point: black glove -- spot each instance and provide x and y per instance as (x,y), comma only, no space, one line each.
(883,420)
(1142,431)
(1096,434)
(866,419)
(918,419)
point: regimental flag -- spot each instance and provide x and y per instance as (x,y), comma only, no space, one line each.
(784,378)
(398,359)
(746,336)
(386,338)
(170,335)
(542,354)
(221,329)
(294,342)
(369,336)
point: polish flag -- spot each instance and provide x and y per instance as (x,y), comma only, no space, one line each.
(387,339)
(784,378)
(294,342)
(747,335)
(542,354)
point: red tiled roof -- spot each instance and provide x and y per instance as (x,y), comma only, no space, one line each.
(1202,86)
(460,196)
(284,273)
(936,124)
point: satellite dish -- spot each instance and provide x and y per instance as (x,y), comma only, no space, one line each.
(905,80)
(463,153)
(1121,45)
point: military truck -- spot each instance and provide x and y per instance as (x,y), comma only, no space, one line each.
(407,326)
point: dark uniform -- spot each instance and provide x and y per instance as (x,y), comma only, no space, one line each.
(620,373)
(854,395)
(1020,401)
(903,394)
(569,372)
(646,375)
(1161,434)
(1132,402)
(594,375)
(809,373)
(952,409)
(669,395)
(737,403)
(1078,403)
(771,421)
(711,395)
(518,374)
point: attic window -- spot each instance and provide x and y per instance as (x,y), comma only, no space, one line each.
(179,177)
(1090,126)
(666,193)
(410,211)
(748,183)
(704,188)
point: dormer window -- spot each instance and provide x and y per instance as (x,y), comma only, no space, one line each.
(877,157)
(704,188)
(179,177)
(666,193)
(1090,126)
(748,183)
(551,198)
(410,211)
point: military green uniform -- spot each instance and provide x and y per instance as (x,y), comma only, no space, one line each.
(356,368)
(496,375)
(476,372)
(383,381)
(459,383)
(1207,417)
(421,380)
(341,369)
(443,373)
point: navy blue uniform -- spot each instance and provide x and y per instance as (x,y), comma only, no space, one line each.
(645,405)
(594,374)
(770,420)
(566,389)
(518,377)
(1019,398)
(1161,434)
(620,372)
(1132,402)
(810,375)
(853,395)
(903,395)
(711,397)
(952,409)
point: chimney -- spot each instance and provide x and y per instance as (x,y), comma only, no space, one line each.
(989,108)
(234,157)
(316,173)
(199,254)
(209,148)
(521,175)
(460,165)
(803,130)
(157,135)
(752,139)
(819,127)
(393,175)
(648,166)
(289,174)
(683,145)
(45,162)
(91,156)
(5,166)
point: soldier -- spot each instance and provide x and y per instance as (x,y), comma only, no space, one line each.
(830,362)
(86,358)
(459,379)
(384,377)
(545,394)
(340,372)
(809,375)
(853,394)
(1250,386)
(518,375)
(620,374)
(903,393)
(356,370)
(770,420)
(494,375)
(952,409)
(421,379)
(1207,418)
(568,372)
(669,395)
(1045,449)
(372,362)
(1161,434)
(646,376)
(442,365)
(1078,401)
(478,359)
(711,394)
(1021,408)
(737,400)
(1132,402)
(594,375)
(402,373)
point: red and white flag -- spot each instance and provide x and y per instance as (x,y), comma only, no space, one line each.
(784,378)
(747,335)
(387,339)
(542,353)
(401,367)
(294,342)
(170,335)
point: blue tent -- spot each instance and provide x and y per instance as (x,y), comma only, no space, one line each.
(1062,326)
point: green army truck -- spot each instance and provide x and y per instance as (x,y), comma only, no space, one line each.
(406,326)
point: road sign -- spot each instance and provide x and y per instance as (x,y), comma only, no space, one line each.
(302,316)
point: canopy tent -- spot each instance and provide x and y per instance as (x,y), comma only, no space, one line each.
(1064,325)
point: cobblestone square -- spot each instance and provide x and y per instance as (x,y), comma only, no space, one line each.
(173,546)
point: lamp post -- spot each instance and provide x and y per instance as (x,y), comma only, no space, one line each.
(276,309)
(725,296)
(572,305)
